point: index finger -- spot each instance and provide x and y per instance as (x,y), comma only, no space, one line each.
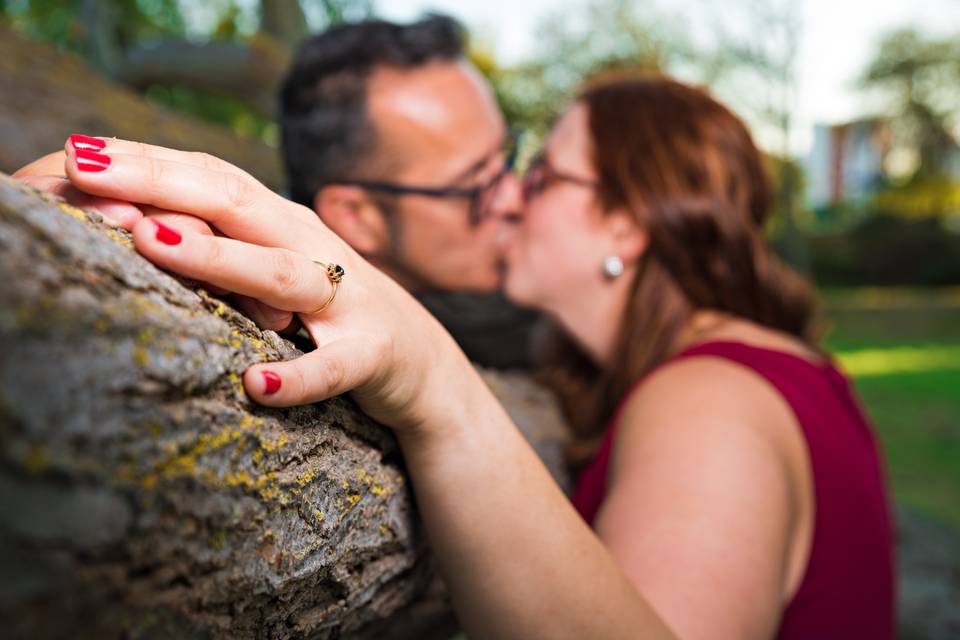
(233,202)
(77,142)
(108,146)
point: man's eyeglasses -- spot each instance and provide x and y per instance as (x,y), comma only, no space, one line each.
(480,197)
(540,174)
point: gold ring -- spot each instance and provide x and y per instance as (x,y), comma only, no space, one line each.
(335,274)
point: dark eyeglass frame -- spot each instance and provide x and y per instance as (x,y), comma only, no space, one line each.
(473,194)
(540,173)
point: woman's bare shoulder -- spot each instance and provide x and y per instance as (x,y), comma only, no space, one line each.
(707,402)
(704,384)
(700,479)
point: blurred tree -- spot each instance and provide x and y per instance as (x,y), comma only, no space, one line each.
(925,196)
(49,94)
(756,66)
(921,78)
(219,60)
(532,93)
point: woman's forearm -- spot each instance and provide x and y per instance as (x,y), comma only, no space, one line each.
(519,561)
(517,558)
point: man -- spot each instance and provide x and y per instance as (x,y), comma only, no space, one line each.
(395,140)
(377,121)
(397,143)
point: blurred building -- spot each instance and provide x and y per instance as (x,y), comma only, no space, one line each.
(846,162)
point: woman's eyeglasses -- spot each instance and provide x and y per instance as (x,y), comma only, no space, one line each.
(540,175)
(480,197)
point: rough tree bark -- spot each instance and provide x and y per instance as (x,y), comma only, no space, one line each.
(143,495)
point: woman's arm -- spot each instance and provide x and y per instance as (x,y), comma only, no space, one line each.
(704,515)
(709,504)
(519,561)
(517,558)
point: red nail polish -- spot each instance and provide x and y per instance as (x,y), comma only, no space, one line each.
(272,382)
(91,160)
(166,235)
(85,143)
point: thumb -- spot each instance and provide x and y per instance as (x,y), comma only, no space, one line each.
(114,212)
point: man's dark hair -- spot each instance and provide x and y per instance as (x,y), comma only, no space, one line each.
(326,133)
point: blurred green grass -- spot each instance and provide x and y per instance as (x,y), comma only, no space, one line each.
(902,348)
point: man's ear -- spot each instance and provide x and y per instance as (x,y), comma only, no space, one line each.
(629,239)
(353,216)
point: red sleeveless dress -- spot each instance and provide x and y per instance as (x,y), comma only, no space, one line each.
(847,591)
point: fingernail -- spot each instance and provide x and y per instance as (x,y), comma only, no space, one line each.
(91,160)
(271,382)
(86,143)
(166,235)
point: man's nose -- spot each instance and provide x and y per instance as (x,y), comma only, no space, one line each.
(508,201)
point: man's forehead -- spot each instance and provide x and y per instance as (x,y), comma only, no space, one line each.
(440,107)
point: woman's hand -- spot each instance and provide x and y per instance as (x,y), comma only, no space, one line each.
(373,339)
(47,174)
(509,544)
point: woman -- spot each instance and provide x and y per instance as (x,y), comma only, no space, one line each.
(663,186)
(737,492)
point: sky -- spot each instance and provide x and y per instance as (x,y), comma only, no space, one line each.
(838,39)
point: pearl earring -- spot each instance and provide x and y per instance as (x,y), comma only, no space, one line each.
(612,266)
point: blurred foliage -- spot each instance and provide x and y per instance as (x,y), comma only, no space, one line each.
(60,22)
(532,93)
(75,25)
(753,64)
(907,231)
(920,77)
(884,249)
(789,216)
(756,66)
(925,195)
(218,109)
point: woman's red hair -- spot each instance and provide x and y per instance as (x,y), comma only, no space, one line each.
(688,170)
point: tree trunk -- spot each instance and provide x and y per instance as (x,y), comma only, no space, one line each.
(143,495)
(49,94)
(251,71)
